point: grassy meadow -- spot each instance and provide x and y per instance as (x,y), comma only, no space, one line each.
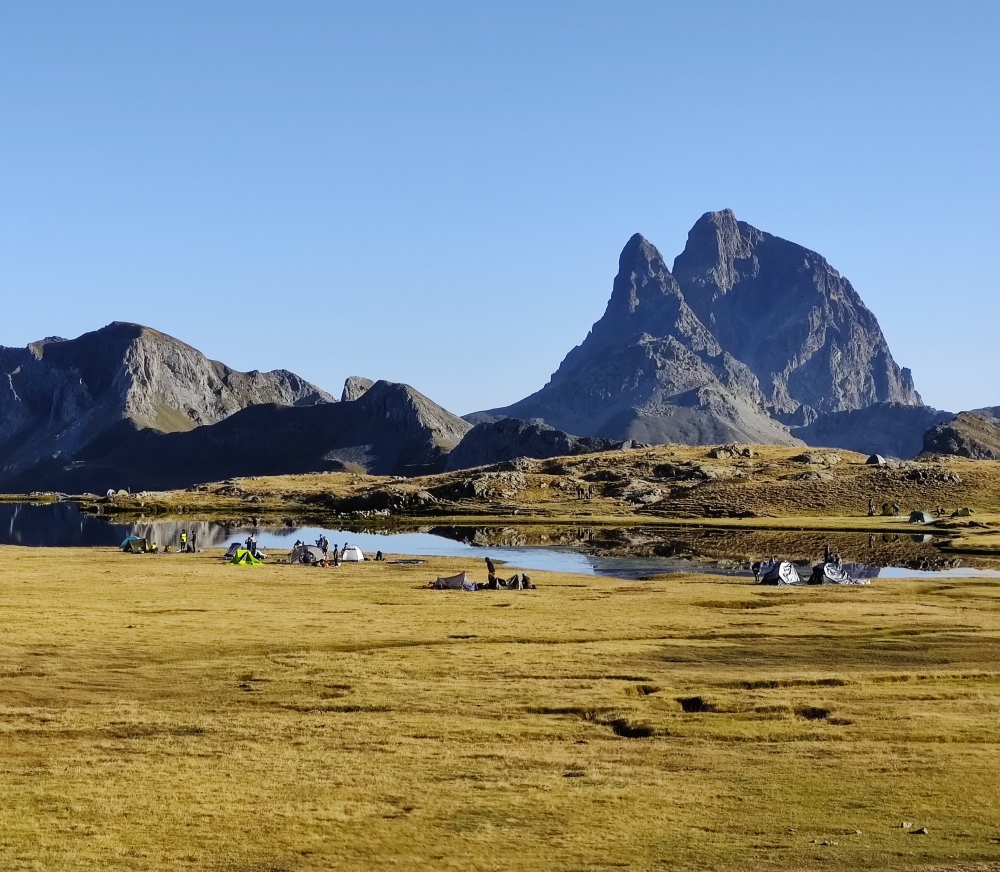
(173,712)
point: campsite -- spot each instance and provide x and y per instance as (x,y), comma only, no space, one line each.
(173,710)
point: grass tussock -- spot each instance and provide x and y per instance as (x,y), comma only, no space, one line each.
(174,712)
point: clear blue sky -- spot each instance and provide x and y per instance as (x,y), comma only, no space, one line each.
(437,193)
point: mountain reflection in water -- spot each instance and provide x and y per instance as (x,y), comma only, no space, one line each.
(622,552)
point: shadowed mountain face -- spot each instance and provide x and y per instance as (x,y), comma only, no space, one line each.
(890,429)
(57,397)
(747,331)
(391,429)
(509,438)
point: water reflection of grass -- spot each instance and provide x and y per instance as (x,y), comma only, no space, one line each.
(161,712)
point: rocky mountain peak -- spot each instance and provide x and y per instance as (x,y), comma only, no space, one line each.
(746,333)
(57,396)
(718,249)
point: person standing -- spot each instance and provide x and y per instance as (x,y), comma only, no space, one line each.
(184,541)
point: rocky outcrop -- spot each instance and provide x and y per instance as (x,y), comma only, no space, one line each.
(510,438)
(968,434)
(59,396)
(391,430)
(889,429)
(748,333)
(354,388)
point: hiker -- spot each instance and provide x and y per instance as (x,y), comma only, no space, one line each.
(184,541)
(827,554)
(191,547)
(491,570)
(871,508)
(336,556)
(378,555)
(590,492)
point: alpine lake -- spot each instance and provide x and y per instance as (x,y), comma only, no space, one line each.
(631,553)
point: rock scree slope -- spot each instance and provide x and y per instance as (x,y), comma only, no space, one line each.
(59,396)
(748,336)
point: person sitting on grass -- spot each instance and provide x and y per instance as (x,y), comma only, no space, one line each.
(491,570)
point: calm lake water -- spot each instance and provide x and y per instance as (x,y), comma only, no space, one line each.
(64,525)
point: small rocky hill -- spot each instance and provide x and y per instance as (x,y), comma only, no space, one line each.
(510,438)
(968,434)
(354,388)
(748,335)
(59,396)
(390,430)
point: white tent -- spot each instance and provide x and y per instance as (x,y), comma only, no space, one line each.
(352,554)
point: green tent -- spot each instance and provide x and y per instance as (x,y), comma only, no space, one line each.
(962,513)
(135,545)
(921,517)
(244,558)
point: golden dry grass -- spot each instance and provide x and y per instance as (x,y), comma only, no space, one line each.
(173,712)
(776,484)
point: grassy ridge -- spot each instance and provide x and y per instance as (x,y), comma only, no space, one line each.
(173,712)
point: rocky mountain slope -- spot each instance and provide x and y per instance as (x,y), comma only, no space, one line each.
(57,397)
(968,434)
(747,335)
(390,430)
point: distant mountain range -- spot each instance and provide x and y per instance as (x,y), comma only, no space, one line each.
(747,337)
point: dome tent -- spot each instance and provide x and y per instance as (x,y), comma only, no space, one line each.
(352,554)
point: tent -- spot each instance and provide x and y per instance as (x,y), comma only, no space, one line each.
(776,572)
(135,545)
(890,510)
(455,582)
(352,554)
(921,517)
(242,557)
(833,573)
(307,554)
(876,460)
(962,513)
(233,548)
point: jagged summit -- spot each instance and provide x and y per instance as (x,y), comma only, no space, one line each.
(747,334)
(791,317)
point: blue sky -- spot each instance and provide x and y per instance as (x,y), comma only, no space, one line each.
(437,193)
